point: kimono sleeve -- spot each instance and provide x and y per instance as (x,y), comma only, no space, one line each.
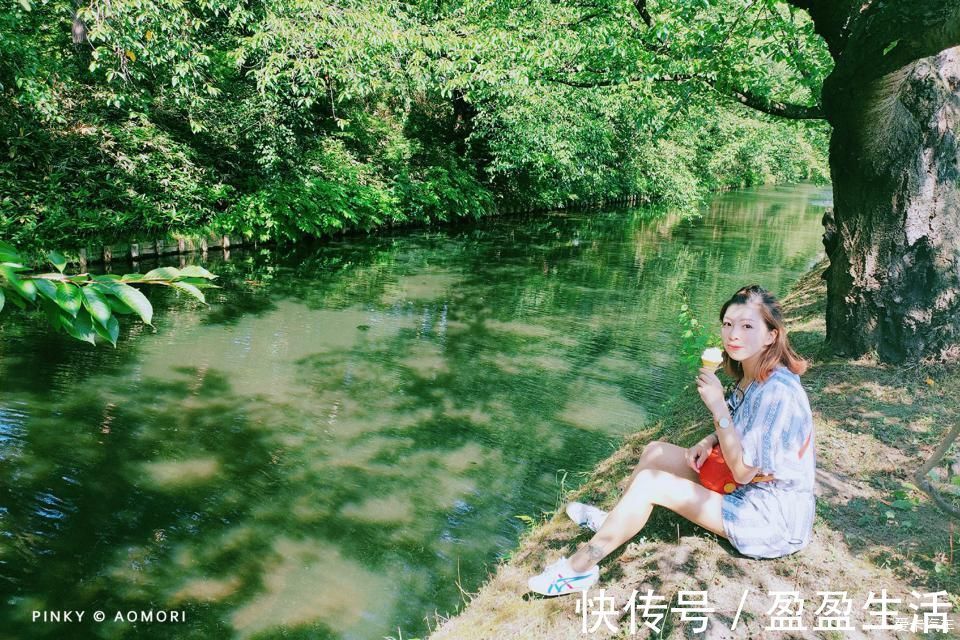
(769,426)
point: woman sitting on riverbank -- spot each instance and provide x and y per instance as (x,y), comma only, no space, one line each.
(772,434)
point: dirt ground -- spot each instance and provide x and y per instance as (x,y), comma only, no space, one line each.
(875,426)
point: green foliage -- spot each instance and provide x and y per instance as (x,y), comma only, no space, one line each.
(334,192)
(278,120)
(108,182)
(443,190)
(85,306)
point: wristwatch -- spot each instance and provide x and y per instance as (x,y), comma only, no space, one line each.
(724,422)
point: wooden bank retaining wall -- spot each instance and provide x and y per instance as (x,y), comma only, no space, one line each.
(135,251)
(183,245)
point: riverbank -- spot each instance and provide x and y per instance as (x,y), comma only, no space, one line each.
(876,424)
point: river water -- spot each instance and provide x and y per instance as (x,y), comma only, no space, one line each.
(348,434)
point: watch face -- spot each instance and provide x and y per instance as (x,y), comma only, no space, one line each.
(724,422)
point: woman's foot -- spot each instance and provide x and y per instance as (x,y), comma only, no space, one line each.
(586,515)
(560,579)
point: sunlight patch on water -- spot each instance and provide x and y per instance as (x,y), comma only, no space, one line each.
(599,407)
(522,329)
(308,583)
(422,286)
(263,353)
(472,414)
(177,474)
(426,360)
(206,590)
(390,509)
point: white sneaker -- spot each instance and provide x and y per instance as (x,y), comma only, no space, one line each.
(560,579)
(586,515)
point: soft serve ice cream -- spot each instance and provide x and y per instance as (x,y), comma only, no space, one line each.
(712,357)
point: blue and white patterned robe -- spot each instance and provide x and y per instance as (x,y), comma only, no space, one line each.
(773,519)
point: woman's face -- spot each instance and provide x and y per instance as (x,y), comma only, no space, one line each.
(745,335)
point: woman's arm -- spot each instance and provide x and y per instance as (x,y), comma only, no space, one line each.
(711,392)
(731,446)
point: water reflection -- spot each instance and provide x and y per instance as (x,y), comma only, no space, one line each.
(350,430)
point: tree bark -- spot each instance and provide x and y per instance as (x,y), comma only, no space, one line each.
(893,100)
(894,276)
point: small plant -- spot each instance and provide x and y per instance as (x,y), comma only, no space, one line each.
(897,511)
(694,335)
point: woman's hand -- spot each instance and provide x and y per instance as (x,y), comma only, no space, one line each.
(711,390)
(698,453)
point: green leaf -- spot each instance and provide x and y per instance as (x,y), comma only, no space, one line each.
(97,305)
(80,327)
(191,289)
(193,271)
(26,5)
(69,298)
(890,47)
(8,253)
(200,283)
(57,260)
(163,273)
(3,299)
(54,315)
(903,505)
(18,302)
(26,288)
(110,333)
(132,298)
(119,306)
(46,288)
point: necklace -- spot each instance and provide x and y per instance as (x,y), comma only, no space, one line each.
(737,396)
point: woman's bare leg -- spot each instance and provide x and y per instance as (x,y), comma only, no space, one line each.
(666,457)
(662,478)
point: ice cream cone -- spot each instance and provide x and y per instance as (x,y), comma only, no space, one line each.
(712,357)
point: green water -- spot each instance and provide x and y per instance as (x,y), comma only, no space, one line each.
(349,431)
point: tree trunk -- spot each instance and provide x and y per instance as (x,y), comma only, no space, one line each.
(894,276)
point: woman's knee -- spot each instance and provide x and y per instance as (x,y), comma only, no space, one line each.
(647,482)
(652,451)
(652,448)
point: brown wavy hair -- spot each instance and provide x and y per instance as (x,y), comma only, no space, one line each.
(778,353)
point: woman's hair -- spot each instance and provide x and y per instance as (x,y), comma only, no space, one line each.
(780,351)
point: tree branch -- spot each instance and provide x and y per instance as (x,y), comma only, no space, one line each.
(641,7)
(920,477)
(586,18)
(612,82)
(888,36)
(831,20)
(786,110)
